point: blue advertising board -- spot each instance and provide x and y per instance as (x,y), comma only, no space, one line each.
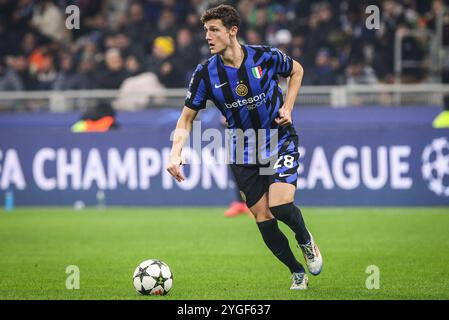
(351,157)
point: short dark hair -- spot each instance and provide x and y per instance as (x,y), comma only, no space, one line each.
(227,14)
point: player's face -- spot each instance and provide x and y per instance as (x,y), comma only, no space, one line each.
(218,36)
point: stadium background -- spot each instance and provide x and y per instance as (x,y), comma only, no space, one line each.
(86,114)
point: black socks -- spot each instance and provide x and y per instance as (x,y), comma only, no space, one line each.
(277,242)
(291,215)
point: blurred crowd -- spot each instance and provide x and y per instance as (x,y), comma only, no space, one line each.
(164,40)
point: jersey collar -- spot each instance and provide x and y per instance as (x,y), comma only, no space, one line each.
(245,55)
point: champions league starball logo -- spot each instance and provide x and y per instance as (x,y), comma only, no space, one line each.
(435,166)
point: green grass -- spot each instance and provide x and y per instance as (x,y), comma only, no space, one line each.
(213,257)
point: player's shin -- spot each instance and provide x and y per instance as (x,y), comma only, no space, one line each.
(277,242)
(291,215)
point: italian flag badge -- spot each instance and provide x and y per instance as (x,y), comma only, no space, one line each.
(257,72)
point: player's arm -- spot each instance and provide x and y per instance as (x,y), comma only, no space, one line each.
(195,101)
(182,131)
(294,83)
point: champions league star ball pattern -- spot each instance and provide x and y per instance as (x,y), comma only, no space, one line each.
(153,277)
(435,166)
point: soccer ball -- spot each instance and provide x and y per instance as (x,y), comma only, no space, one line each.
(153,277)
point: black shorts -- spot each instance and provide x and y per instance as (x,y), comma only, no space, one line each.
(253,181)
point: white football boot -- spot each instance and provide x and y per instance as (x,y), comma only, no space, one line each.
(299,281)
(312,255)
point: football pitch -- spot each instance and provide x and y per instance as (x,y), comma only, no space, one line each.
(214,257)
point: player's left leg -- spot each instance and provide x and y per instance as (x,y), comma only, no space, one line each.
(281,203)
(277,242)
(254,189)
(281,196)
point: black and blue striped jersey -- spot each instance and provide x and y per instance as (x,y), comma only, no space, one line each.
(249,97)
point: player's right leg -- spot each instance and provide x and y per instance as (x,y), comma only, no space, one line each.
(238,206)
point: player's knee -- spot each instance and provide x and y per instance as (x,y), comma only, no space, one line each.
(284,211)
(261,214)
(279,198)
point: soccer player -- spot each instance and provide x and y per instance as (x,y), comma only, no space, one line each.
(242,81)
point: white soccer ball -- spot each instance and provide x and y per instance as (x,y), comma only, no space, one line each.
(153,277)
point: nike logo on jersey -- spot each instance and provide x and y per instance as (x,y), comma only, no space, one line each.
(281,175)
(220,85)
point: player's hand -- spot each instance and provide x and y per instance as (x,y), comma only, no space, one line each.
(174,168)
(284,118)
(224,122)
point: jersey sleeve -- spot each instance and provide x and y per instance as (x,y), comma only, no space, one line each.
(283,62)
(197,94)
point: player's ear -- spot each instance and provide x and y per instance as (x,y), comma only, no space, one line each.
(233,31)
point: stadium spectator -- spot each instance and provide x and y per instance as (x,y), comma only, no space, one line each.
(49,20)
(358,72)
(186,55)
(163,63)
(46,76)
(133,65)
(282,40)
(114,73)
(253,37)
(20,67)
(7,40)
(297,46)
(9,79)
(122,41)
(132,27)
(384,45)
(279,17)
(92,19)
(42,67)
(137,28)
(412,52)
(20,17)
(117,12)
(29,43)
(429,19)
(259,19)
(323,72)
(166,25)
(69,77)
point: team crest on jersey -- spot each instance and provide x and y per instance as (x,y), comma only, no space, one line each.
(257,72)
(242,90)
